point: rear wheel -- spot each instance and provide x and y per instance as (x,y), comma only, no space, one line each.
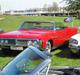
(48,47)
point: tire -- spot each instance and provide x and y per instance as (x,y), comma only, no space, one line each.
(48,47)
(6,51)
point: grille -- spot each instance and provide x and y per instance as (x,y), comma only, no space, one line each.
(21,42)
(7,41)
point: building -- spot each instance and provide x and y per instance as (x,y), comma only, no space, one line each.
(38,12)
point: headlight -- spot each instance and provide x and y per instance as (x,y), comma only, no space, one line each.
(4,41)
(73,41)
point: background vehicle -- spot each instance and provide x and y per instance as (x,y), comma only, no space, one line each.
(74,44)
(45,35)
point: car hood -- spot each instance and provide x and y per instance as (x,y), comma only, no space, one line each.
(24,34)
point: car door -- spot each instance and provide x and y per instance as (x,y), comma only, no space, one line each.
(59,37)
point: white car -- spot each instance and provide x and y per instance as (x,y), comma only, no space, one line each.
(74,44)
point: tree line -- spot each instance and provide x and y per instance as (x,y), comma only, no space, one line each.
(51,7)
(73,6)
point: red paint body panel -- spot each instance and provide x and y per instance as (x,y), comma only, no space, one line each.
(58,37)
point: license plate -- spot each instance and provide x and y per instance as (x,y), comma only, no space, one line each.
(16,48)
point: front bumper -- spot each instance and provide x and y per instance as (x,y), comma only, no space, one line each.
(18,42)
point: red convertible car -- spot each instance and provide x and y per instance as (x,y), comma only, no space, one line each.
(45,35)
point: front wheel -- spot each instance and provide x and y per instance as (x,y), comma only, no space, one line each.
(48,47)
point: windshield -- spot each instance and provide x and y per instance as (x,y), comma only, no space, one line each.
(42,26)
(37,25)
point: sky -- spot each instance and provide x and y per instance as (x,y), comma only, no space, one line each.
(25,4)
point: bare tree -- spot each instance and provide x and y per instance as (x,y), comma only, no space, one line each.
(51,7)
(45,7)
(55,6)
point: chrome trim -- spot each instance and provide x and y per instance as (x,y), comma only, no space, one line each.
(15,42)
(73,41)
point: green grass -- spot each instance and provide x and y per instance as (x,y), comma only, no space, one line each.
(64,58)
(60,57)
(10,23)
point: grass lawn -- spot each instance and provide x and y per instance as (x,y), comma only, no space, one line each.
(61,56)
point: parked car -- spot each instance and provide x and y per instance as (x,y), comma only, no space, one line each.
(45,35)
(74,44)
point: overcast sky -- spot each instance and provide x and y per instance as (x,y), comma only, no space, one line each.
(25,4)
